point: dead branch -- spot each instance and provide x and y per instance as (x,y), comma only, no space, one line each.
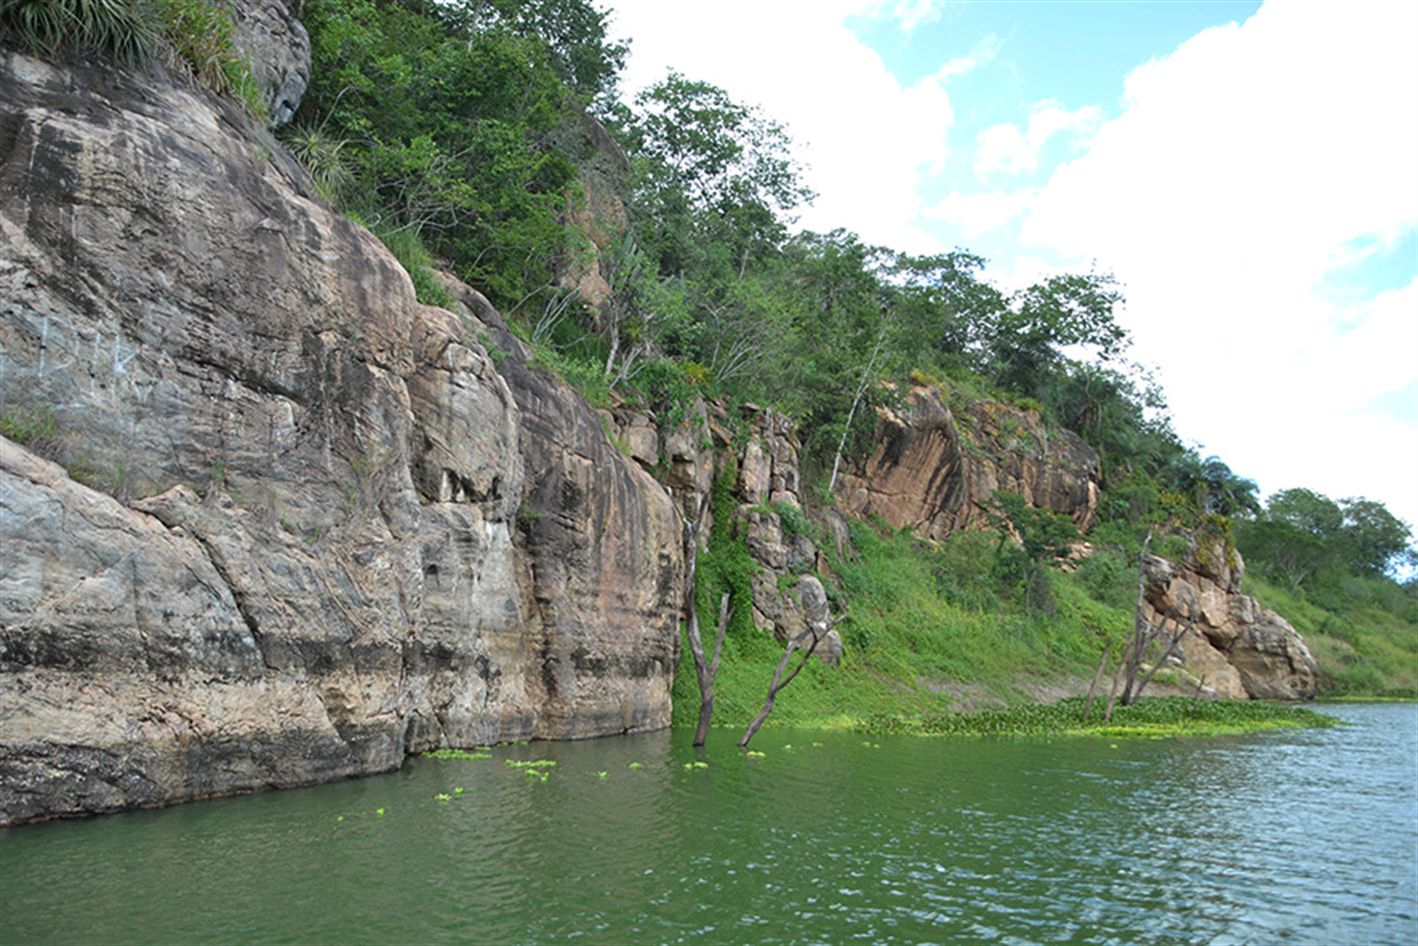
(817,631)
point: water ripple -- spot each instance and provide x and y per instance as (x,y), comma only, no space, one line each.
(1307,837)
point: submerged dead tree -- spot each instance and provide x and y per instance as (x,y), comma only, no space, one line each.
(806,642)
(705,669)
(1144,634)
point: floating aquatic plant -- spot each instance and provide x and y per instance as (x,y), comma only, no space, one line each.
(635,765)
(458,790)
(442,796)
(446,755)
(535,764)
(602,774)
(379,812)
(752,754)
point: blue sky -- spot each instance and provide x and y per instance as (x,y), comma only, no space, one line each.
(1248,171)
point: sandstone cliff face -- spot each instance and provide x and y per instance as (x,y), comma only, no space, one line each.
(936,465)
(321,529)
(1238,649)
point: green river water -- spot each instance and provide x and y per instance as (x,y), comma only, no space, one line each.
(1292,837)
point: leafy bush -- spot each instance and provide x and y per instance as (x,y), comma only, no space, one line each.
(794,520)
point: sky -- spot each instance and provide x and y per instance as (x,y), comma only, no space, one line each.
(1248,171)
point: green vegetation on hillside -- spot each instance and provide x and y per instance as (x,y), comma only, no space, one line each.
(932,627)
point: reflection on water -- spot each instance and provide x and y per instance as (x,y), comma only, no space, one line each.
(1307,837)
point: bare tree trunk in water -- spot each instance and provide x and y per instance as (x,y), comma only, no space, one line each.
(818,632)
(706,675)
(704,670)
(1113,694)
(776,685)
(1174,642)
(1097,676)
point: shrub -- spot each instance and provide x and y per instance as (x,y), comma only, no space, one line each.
(322,155)
(123,30)
(130,32)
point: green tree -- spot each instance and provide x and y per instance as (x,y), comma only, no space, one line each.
(1373,537)
(714,180)
(443,125)
(1025,345)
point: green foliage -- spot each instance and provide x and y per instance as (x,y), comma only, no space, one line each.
(126,31)
(794,520)
(322,155)
(457,755)
(1147,717)
(37,429)
(447,112)
(1362,630)
(409,250)
(572,32)
(925,625)
(131,32)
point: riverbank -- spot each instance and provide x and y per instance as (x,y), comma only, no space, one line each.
(1150,717)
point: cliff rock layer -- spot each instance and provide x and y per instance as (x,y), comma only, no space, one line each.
(1237,648)
(937,464)
(274,522)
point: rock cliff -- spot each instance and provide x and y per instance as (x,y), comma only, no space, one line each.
(1237,649)
(936,464)
(299,525)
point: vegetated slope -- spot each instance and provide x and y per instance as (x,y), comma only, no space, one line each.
(1364,633)
(932,628)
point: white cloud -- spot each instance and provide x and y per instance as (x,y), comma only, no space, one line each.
(984,212)
(910,14)
(1242,170)
(1009,149)
(867,139)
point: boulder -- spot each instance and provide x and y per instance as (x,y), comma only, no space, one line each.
(1236,647)
(277,48)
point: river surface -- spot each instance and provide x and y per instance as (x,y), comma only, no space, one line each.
(1293,837)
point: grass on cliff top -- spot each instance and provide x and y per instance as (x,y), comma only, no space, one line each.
(1363,633)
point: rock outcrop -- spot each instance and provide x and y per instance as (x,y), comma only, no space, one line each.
(761,455)
(1237,649)
(937,464)
(299,525)
(277,48)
